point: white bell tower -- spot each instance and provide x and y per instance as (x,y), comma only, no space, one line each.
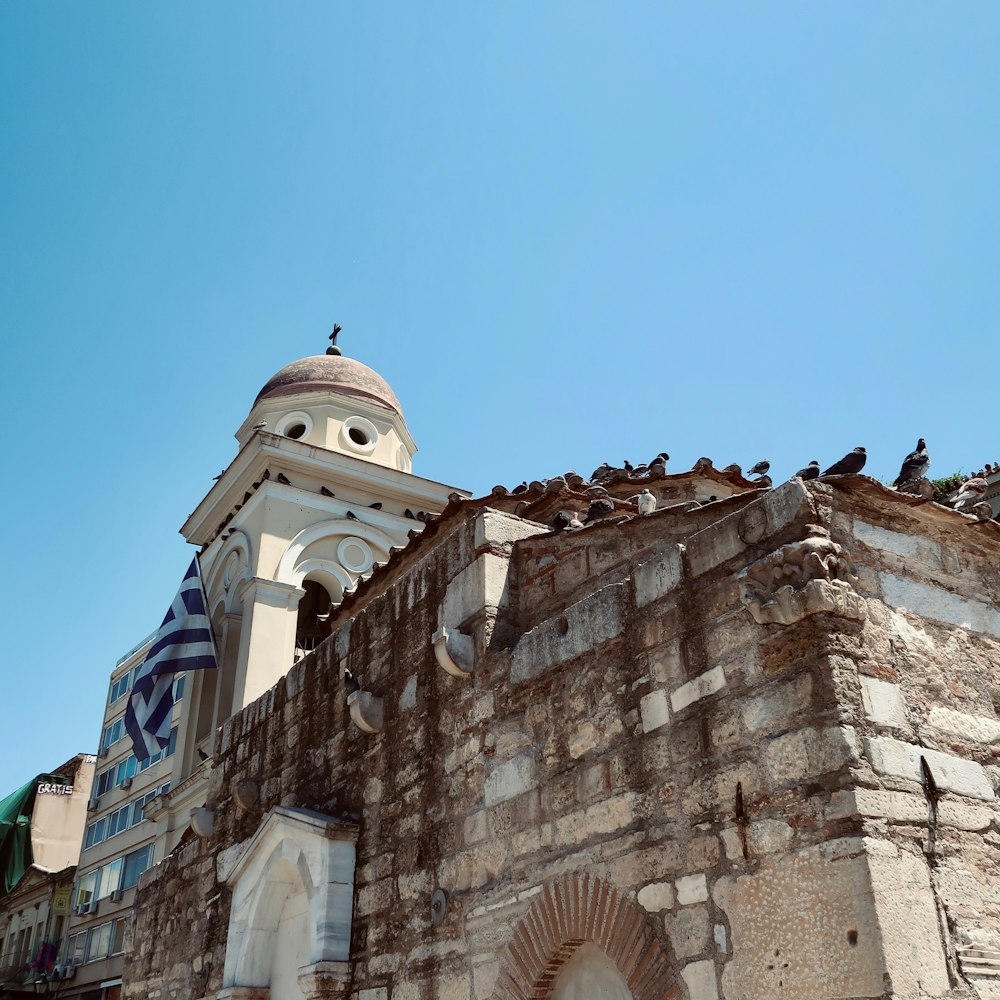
(318,494)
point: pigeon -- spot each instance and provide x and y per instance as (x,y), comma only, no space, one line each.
(260,426)
(376,506)
(350,682)
(970,492)
(647,502)
(851,464)
(523,488)
(915,465)
(811,471)
(601,472)
(734,468)
(599,508)
(566,519)
(219,476)
(351,516)
(627,465)
(283,479)
(760,469)
(327,493)
(409,513)
(661,459)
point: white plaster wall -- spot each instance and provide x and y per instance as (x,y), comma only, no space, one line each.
(291,948)
(590,975)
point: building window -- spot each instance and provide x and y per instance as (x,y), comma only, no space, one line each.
(118,937)
(76,948)
(135,864)
(86,885)
(121,686)
(99,942)
(113,732)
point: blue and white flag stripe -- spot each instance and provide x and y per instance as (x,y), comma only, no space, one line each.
(184,642)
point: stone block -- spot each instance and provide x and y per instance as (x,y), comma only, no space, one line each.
(701,981)
(902,760)
(657,577)
(689,930)
(699,687)
(780,706)
(579,629)
(510,779)
(692,889)
(978,728)
(939,604)
(883,703)
(653,710)
(656,896)
(912,547)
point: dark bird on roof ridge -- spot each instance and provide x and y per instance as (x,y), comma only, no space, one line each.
(409,513)
(350,682)
(522,488)
(351,516)
(734,468)
(640,470)
(565,519)
(760,469)
(661,459)
(283,479)
(811,471)
(915,465)
(850,465)
(219,476)
(601,471)
(598,509)
(327,493)
(627,465)
(376,506)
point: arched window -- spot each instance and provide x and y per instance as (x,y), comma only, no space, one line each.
(310,628)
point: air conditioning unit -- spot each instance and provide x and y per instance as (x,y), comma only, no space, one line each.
(69,971)
(93,803)
(126,784)
(103,752)
(116,896)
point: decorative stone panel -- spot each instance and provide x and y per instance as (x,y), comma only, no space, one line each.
(293,850)
(568,912)
(802,579)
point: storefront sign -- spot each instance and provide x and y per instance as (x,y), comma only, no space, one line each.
(60,902)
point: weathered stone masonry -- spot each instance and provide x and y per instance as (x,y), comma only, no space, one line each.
(747,749)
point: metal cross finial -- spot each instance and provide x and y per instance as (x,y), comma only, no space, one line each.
(333,350)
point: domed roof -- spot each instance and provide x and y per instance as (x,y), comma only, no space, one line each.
(335,374)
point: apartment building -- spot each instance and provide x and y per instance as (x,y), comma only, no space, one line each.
(118,845)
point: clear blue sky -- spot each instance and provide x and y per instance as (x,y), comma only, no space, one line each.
(566,233)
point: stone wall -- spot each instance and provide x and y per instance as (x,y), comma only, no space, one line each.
(694,742)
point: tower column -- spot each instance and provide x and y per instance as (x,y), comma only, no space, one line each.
(267,639)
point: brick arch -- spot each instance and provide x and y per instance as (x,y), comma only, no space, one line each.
(570,911)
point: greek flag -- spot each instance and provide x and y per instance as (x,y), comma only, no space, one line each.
(184,642)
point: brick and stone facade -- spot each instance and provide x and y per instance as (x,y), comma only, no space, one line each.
(744,748)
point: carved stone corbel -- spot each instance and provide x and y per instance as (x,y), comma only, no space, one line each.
(803,579)
(455,651)
(366,711)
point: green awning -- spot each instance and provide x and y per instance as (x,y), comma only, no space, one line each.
(16,856)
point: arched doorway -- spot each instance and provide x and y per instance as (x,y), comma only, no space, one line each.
(590,975)
(615,947)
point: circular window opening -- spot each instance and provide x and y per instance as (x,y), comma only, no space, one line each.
(358,436)
(295,431)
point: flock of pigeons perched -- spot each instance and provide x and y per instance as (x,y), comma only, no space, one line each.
(912,479)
